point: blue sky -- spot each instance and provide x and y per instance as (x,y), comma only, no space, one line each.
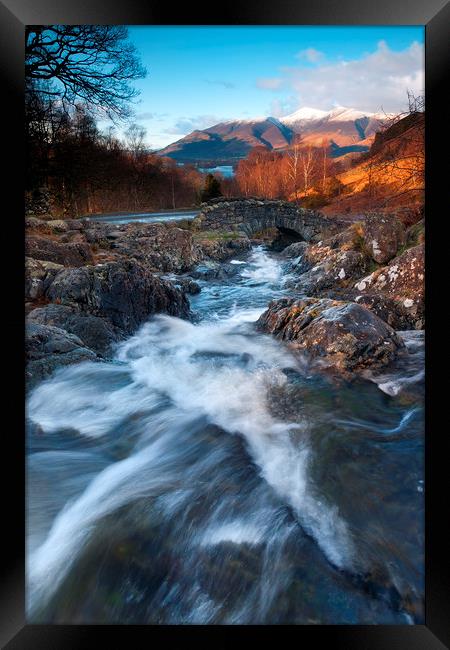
(198,76)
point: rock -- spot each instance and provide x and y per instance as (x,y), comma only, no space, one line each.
(38,276)
(383,235)
(336,270)
(220,249)
(76,224)
(295,250)
(402,284)
(37,225)
(73,254)
(96,333)
(342,336)
(393,312)
(48,348)
(163,248)
(216,272)
(99,234)
(187,285)
(57,225)
(123,292)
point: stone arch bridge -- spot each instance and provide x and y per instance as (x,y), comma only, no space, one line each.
(251,216)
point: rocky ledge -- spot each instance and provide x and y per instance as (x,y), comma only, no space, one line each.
(89,308)
(89,284)
(375,262)
(337,335)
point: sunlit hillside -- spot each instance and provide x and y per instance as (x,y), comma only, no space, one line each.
(390,175)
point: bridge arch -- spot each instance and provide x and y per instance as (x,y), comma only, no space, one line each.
(250,216)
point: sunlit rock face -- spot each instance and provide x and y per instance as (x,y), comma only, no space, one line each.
(383,235)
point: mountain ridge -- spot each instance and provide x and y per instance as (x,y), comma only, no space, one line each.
(342,129)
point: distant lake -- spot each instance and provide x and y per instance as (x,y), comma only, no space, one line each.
(144,217)
(226,170)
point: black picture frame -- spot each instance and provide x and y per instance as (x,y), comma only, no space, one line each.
(14,15)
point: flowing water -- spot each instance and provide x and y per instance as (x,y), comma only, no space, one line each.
(207,475)
(144,217)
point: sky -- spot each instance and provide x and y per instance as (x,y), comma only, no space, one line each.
(199,76)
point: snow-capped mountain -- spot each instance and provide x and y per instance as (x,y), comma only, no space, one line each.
(342,129)
(341,125)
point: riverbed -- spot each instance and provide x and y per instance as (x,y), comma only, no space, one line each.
(207,475)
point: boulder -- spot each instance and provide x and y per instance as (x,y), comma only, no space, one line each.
(57,225)
(393,312)
(76,224)
(161,247)
(402,284)
(48,348)
(221,272)
(124,292)
(73,254)
(187,285)
(220,250)
(383,235)
(96,333)
(342,336)
(36,225)
(38,276)
(295,250)
(337,270)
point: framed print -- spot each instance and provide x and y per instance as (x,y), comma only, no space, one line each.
(225,228)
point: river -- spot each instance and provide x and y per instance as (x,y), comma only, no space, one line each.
(144,217)
(205,475)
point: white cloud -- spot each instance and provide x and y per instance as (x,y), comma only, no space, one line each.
(310,54)
(376,81)
(185,125)
(270,83)
(281,107)
(145,115)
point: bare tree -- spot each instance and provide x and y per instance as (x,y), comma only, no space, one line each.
(403,157)
(89,63)
(293,163)
(324,163)
(307,166)
(135,137)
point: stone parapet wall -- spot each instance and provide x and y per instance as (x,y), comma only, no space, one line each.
(254,215)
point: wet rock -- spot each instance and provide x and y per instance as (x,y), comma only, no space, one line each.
(341,336)
(383,235)
(187,285)
(95,332)
(220,250)
(123,292)
(220,272)
(48,348)
(72,254)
